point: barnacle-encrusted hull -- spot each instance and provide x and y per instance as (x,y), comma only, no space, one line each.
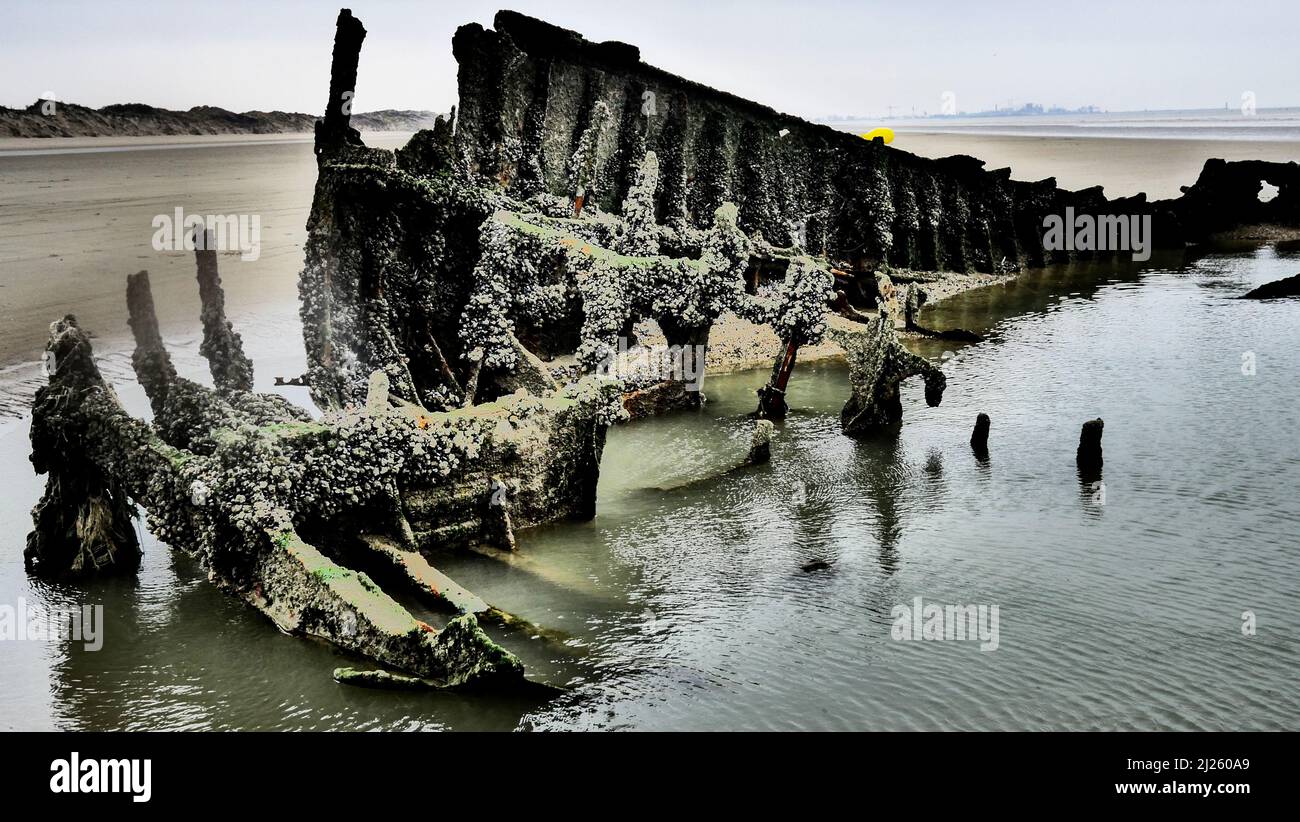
(284,511)
(437,262)
(529,90)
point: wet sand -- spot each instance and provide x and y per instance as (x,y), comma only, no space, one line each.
(76,217)
(1124,167)
(18,146)
(74,223)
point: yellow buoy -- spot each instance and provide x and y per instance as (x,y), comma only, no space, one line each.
(886,134)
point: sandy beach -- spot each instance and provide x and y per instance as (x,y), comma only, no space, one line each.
(77,216)
(73,225)
(1124,167)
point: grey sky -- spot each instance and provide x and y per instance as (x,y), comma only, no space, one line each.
(810,58)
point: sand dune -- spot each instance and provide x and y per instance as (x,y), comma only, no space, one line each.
(55,119)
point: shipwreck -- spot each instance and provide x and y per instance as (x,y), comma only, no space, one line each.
(460,296)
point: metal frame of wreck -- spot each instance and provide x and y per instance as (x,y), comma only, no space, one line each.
(545,221)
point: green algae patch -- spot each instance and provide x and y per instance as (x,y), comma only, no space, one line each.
(384,680)
(576,244)
(328,574)
(353,589)
(178,458)
(225,437)
(294,429)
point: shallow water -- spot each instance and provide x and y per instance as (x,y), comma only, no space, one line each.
(762,598)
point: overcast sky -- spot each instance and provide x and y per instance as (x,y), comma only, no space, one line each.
(810,58)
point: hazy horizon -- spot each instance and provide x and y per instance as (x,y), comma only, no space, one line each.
(814,60)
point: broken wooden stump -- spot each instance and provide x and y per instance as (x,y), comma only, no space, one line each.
(979,438)
(878,364)
(153,366)
(771,397)
(799,316)
(760,444)
(334,130)
(1088,455)
(221,346)
(84,523)
(1285,287)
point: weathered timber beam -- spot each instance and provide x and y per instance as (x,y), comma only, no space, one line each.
(153,365)
(335,129)
(84,522)
(221,346)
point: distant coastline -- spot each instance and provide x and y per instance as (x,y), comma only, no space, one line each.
(1281,125)
(56,119)
(1027,110)
(1035,110)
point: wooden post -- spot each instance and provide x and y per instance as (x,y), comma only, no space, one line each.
(222,347)
(979,438)
(771,397)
